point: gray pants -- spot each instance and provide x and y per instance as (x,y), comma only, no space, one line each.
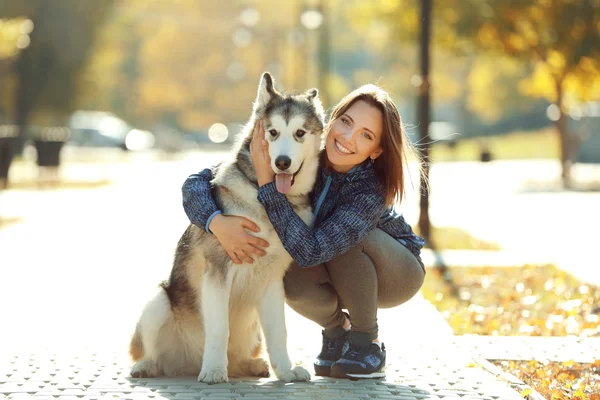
(378,273)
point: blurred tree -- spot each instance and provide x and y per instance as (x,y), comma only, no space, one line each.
(14,37)
(424,116)
(46,71)
(492,81)
(469,75)
(188,64)
(561,40)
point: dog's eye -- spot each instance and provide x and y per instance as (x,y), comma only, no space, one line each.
(273,132)
(300,133)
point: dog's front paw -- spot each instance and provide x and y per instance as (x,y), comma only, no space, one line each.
(301,374)
(296,374)
(213,375)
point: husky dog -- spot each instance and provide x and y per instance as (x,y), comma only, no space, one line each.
(208,317)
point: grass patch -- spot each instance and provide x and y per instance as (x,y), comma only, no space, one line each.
(451,238)
(553,380)
(541,143)
(526,300)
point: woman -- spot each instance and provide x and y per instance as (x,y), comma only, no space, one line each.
(359,255)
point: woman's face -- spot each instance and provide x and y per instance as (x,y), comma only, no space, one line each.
(354,136)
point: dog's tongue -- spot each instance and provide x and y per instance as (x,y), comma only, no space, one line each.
(283,182)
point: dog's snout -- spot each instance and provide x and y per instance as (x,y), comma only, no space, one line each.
(283,162)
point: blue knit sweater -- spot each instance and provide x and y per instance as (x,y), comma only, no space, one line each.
(346,206)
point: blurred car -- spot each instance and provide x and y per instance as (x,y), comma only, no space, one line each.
(103,129)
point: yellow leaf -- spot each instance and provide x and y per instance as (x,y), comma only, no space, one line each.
(569,363)
(533,363)
(558,395)
(579,395)
(526,392)
(540,373)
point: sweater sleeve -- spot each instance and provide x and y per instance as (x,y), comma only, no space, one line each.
(198,202)
(396,226)
(349,224)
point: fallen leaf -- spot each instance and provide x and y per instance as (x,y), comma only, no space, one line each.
(526,392)
(579,395)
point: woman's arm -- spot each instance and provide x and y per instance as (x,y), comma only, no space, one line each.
(348,225)
(231,231)
(198,203)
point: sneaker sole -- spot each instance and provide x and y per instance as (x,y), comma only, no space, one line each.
(336,373)
(374,375)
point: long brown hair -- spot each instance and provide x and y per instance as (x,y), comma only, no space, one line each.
(390,166)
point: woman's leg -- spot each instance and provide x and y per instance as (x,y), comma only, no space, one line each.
(378,272)
(308,291)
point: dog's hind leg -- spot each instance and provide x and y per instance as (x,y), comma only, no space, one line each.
(216,290)
(154,316)
(272,318)
(245,343)
(255,365)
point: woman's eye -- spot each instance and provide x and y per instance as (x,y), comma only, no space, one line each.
(345,121)
(300,133)
(365,134)
(273,132)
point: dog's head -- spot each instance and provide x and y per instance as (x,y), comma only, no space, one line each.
(293,127)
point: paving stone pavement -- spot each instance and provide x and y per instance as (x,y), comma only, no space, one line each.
(424,372)
(423,363)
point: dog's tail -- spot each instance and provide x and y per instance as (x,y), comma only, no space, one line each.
(136,347)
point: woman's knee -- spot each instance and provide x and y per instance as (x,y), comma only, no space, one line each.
(301,282)
(415,272)
(407,286)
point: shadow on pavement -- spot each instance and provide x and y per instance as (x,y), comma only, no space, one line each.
(254,387)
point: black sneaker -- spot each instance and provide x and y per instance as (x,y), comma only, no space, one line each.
(361,362)
(331,351)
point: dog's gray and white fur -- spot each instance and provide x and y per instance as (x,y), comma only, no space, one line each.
(207,318)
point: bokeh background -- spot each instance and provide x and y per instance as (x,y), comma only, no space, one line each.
(107,106)
(176,68)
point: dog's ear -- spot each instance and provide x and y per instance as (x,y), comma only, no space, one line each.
(266,90)
(311,94)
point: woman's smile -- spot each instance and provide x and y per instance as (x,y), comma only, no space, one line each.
(341,149)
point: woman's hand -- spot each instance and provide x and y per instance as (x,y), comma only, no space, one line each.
(239,244)
(259,151)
